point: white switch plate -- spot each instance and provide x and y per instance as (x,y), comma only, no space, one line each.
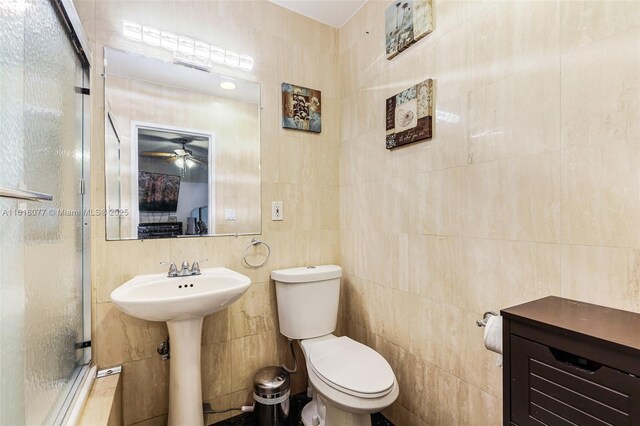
(276,210)
(229,214)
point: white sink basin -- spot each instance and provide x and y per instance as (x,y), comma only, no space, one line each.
(156,297)
(182,302)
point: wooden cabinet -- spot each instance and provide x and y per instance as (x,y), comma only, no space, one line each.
(570,363)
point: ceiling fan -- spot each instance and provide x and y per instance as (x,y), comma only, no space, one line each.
(182,157)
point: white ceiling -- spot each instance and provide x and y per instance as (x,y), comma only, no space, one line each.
(330,12)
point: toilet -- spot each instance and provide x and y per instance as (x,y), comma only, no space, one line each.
(348,380)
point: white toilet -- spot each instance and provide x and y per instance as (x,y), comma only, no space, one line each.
(349,380)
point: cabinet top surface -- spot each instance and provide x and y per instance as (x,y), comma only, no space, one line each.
(608,324)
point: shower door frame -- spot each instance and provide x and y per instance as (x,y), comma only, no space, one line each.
(68,402)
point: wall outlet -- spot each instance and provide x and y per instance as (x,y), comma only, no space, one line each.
(229,214)
(276,210)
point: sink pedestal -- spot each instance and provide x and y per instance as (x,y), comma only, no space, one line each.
(185,383)
(182,302)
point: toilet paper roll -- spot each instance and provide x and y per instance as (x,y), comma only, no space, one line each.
(493,334)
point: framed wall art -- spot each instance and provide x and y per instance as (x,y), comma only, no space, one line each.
(409,115)
(406,22)
(301,108)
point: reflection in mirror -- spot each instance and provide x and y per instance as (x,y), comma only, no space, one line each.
(182,150)
(174,192)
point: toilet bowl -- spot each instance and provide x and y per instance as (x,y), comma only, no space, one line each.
(348,380)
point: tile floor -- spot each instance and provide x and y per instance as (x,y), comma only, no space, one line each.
(297,403)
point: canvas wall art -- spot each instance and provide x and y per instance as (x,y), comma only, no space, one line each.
(301,108)
(406,22)
(158,192)
(410,115)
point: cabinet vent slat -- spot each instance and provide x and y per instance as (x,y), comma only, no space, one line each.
(546,417)
(574,399)
(564,410)
(585,386)
(604,397)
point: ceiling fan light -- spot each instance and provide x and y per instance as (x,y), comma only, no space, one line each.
(190,163)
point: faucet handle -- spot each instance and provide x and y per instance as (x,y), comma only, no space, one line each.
(173,269)
(195,267)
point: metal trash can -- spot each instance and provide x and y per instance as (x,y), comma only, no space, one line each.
(271,387)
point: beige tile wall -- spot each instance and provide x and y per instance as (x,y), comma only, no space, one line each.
(301,169)
(530,186)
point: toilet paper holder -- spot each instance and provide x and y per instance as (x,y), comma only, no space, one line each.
(485,318)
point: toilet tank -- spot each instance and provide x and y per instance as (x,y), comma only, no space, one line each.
(307,300)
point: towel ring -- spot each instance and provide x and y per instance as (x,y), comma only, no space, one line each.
(254,242)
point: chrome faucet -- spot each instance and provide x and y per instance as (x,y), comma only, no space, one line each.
(195,267)
(185,271)
(173,270)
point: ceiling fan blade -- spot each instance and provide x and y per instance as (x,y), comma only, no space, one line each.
(195,160)
(157,154)
(181,140)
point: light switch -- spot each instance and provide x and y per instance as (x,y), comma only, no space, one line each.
(229,214)
(276,210)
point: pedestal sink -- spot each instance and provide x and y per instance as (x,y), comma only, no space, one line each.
(182,302)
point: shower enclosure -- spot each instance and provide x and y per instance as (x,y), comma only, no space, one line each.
(45,327)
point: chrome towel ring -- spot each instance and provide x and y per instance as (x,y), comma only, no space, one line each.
(255,242)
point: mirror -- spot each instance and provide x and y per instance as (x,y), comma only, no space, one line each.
(182,150)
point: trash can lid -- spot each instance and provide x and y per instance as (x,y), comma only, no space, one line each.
(270,380)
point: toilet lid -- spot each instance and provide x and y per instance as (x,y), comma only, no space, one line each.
(351,367)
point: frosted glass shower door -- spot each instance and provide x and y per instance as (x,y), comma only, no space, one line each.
(41,243)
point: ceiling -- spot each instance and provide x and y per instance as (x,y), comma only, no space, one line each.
(330,12)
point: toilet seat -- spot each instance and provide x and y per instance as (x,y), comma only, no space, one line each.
(351,367)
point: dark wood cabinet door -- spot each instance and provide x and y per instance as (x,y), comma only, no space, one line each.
(554,387)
